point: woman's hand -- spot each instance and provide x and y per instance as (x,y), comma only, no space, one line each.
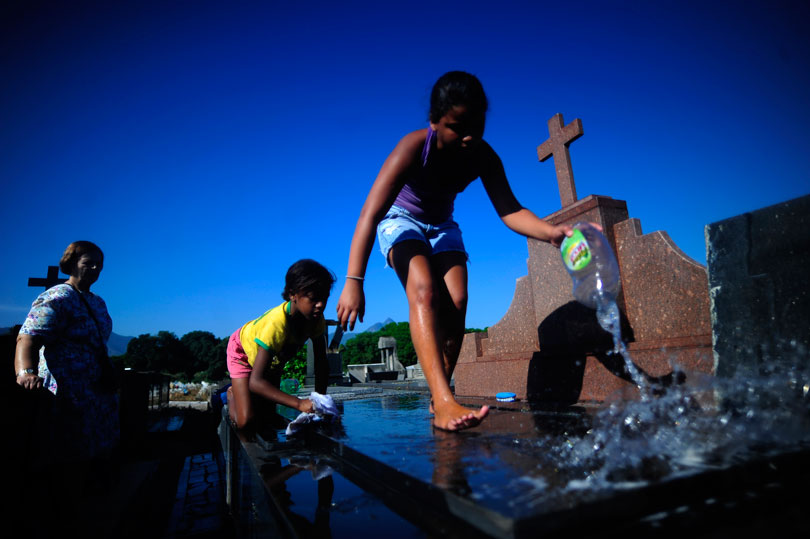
(29,381)
(26,357)
(306,405)
(352,304)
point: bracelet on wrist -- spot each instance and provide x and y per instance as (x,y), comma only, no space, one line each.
(356,278)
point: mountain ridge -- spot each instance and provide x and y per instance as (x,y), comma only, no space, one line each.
(371,329)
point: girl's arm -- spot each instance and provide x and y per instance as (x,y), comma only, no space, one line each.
(515,216)
(259,385)
(321,364)
(389,182)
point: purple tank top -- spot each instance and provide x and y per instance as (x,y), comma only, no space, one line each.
(430,201)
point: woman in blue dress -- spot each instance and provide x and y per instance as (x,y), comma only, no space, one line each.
(62,346)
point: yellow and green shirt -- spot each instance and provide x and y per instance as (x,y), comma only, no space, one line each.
(274,332)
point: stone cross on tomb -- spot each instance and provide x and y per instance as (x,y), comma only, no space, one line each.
(52,279)
(557,145)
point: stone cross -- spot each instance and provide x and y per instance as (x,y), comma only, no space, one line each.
(557,145)
(52,279)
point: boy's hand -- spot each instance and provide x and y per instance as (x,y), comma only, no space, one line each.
(306,405)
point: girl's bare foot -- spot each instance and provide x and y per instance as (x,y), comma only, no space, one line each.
(453,416)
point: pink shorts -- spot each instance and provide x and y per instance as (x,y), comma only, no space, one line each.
(238,366)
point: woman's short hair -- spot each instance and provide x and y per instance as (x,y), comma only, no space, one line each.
(75,251)
(306,275)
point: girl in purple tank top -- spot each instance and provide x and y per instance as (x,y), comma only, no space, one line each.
(411,206)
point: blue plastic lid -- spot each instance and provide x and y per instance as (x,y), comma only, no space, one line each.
(505,396)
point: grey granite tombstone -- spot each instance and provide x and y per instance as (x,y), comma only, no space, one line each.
(759,283)
(332,356)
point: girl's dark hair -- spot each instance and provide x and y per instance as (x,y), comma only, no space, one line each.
(456,88)
(306,275)
(74,252)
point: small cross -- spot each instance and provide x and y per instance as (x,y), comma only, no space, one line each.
(50,280)
(557,145)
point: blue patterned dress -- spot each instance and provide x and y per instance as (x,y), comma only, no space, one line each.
(84,420)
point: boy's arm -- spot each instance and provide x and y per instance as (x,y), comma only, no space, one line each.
(513,215)
(321,364)
(259,385)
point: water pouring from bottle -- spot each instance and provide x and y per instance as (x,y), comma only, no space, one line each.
(594,271)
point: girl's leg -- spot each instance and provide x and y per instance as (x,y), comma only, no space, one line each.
(240,405)
(411,262)
(450,276)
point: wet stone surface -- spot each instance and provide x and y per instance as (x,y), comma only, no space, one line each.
(710,453)
(495,465)
(712,456)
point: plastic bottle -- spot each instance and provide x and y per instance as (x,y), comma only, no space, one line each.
(590,261)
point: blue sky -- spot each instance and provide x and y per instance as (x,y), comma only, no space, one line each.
(205,146)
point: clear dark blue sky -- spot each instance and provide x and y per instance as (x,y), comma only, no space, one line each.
(206,145)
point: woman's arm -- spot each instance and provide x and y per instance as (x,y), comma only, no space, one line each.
(259,385)
(387,186)
(513,215)
(27,357)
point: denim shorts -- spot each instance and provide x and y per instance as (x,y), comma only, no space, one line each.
(400,225)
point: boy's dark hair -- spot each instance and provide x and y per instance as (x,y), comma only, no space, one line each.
(456,88)
(306,275)
(74,252)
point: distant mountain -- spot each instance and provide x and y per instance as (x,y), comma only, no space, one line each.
(371,329)
(378,326)
(116,346)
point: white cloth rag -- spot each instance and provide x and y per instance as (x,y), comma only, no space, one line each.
(325,410)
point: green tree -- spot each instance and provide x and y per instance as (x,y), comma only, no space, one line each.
(363,347)
(296,366)
(162,353)
(172,355)
(205,354)
(141,353)
(217,367)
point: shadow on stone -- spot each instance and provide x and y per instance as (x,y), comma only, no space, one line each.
(567,337)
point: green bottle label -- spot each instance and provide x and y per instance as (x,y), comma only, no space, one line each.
(576,253)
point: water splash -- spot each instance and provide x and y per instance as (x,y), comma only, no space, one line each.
(707,424)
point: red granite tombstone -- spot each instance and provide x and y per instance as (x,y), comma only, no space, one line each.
(548,348)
